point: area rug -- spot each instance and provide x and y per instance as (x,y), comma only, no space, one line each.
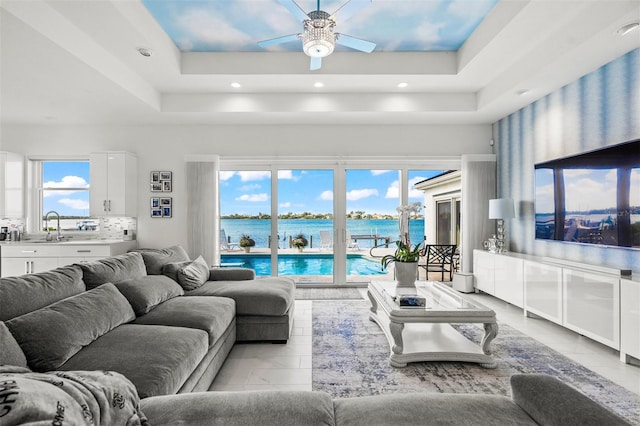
(351,358)
(328,294)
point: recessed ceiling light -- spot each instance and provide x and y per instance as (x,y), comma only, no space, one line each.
(402,85)
(523,92)
(236,85)
(318,84)
(626,29)
(144,51)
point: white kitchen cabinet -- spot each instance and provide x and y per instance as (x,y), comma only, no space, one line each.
(629,319)
(500,275)
(28,258)
(113,184)
(11,185)
(543,290)
(591,305)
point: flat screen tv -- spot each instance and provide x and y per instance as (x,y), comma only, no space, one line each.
(591,198)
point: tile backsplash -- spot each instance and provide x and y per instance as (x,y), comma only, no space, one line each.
(111,228)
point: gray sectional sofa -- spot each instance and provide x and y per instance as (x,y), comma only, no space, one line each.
(130,340)
(124,314)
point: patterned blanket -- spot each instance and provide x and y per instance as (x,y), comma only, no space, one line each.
(67,398)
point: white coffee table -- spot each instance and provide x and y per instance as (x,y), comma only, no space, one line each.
(425,334)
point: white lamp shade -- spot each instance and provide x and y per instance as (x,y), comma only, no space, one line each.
(501,208)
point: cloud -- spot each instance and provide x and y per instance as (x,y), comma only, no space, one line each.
(285,174)
(470,9)
(428,33)
(253,198)
(358,194)
(247,176)
(65,182)
(210,28)
(226,175)
(250,187)
(285,204)
(326,195)
(379,172)
(75,204)
(392,190)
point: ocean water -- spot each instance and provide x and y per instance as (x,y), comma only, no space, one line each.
(259,230)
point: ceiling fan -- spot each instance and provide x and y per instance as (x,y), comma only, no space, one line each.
(318,38)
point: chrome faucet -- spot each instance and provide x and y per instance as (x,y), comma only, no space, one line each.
(46,224)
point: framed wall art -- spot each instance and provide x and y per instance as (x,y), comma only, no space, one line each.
(161,207)
(161,181)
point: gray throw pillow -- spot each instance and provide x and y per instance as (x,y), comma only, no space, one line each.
(194,274)
(51,335)
(11,354)
(113,269)
(155,259)
(171,269)
(145,293)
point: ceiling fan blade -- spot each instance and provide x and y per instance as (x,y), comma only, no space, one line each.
(348,9)
(315,64)
(295,10)
(355,43)
(278,40)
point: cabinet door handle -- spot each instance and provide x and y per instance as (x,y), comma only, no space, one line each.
(29,251)
(32,268)
(109,205)
(104,205)
(26,266)
(83,251)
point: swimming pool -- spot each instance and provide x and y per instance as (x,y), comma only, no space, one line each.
(304,264)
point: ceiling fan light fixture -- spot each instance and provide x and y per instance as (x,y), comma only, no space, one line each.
(626,29)
(318,42)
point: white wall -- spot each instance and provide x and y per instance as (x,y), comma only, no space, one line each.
(164,148)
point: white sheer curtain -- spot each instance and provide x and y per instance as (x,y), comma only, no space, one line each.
(478,187)
(203,211)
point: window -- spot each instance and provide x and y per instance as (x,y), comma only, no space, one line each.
(62,187)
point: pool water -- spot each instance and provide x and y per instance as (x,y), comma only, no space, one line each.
(303,264)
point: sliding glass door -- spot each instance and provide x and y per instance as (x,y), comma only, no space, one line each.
(323,223)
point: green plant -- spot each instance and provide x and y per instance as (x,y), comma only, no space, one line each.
(299,241)
(404,253)
(247,241)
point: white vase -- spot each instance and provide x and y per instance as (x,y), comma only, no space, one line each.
(406,273)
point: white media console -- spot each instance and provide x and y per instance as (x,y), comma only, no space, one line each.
(594,301)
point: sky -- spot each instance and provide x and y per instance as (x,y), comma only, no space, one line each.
(394,25)
(371,191)
(66,174)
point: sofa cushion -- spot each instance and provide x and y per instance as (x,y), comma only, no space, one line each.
(429,408)
(157,359)
(210,314)
(155,259)
(266,408)
(551,402)
(145,293)
(193,275)
(267,296)
(11,354)
(113,269)
(51,335)
(26,293)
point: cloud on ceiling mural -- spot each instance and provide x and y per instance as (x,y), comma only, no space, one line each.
(394,25)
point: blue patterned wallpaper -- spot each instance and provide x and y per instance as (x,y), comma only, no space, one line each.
(600,109)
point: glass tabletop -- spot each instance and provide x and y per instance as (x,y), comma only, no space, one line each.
(437,297)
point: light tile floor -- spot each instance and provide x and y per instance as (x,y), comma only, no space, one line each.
(254,366)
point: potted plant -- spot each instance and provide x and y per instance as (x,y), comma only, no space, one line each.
(406,262)
(299,242)
(246,242)
(406,256)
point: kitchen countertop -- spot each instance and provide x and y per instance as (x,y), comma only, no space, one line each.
(61,243)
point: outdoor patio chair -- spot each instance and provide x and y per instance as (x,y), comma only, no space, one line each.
(351,243)
(326,239)
(438,258)
(226,244)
